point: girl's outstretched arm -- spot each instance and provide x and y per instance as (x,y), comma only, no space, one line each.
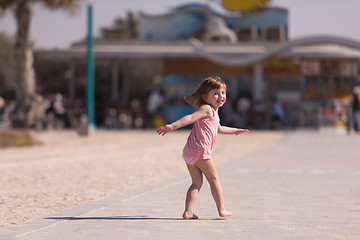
(203,112)
(231,130)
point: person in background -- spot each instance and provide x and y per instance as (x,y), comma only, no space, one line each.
(60,110)
(2,108)
(155,104)
(355,111)
(276,114)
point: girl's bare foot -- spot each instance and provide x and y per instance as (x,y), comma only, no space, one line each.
(188,215)
(225,213)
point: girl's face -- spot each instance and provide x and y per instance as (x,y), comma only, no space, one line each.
(216,98)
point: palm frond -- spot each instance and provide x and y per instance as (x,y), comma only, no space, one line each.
(72,6)
(5,4)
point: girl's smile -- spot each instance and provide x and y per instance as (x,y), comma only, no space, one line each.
(216,98)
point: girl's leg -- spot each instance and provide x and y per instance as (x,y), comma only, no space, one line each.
(207,166)
(192,193)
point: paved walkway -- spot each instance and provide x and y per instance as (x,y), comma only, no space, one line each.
(306,187)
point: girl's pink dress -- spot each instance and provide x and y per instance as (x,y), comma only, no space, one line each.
(201,140)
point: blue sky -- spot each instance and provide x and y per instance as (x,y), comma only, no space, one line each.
(57,29)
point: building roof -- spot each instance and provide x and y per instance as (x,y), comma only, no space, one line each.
(223,54)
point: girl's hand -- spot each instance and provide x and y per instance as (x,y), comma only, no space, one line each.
(164,129)
(239,131)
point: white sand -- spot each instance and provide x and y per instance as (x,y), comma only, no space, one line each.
(68,170)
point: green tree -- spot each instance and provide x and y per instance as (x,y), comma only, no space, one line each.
(122,29)
(25,88)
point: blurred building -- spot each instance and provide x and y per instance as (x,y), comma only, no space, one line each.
(310,76)
(197,20)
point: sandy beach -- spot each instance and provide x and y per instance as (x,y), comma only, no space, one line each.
(68,170)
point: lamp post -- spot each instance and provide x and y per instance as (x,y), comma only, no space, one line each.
(90,71)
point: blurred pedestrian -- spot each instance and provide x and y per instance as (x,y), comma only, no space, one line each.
(2,107)
(155,104)
(60,110)
(355,111)
(229,115)
(276,113)
(208,98)
(243,105)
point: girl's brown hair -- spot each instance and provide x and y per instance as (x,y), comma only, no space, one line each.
(206,86)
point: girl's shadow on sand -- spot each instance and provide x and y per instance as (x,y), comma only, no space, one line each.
(126,218)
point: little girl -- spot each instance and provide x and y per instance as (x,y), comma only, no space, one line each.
(208,98)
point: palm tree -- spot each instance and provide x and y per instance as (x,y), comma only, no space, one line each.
(6,64)
(26,97)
